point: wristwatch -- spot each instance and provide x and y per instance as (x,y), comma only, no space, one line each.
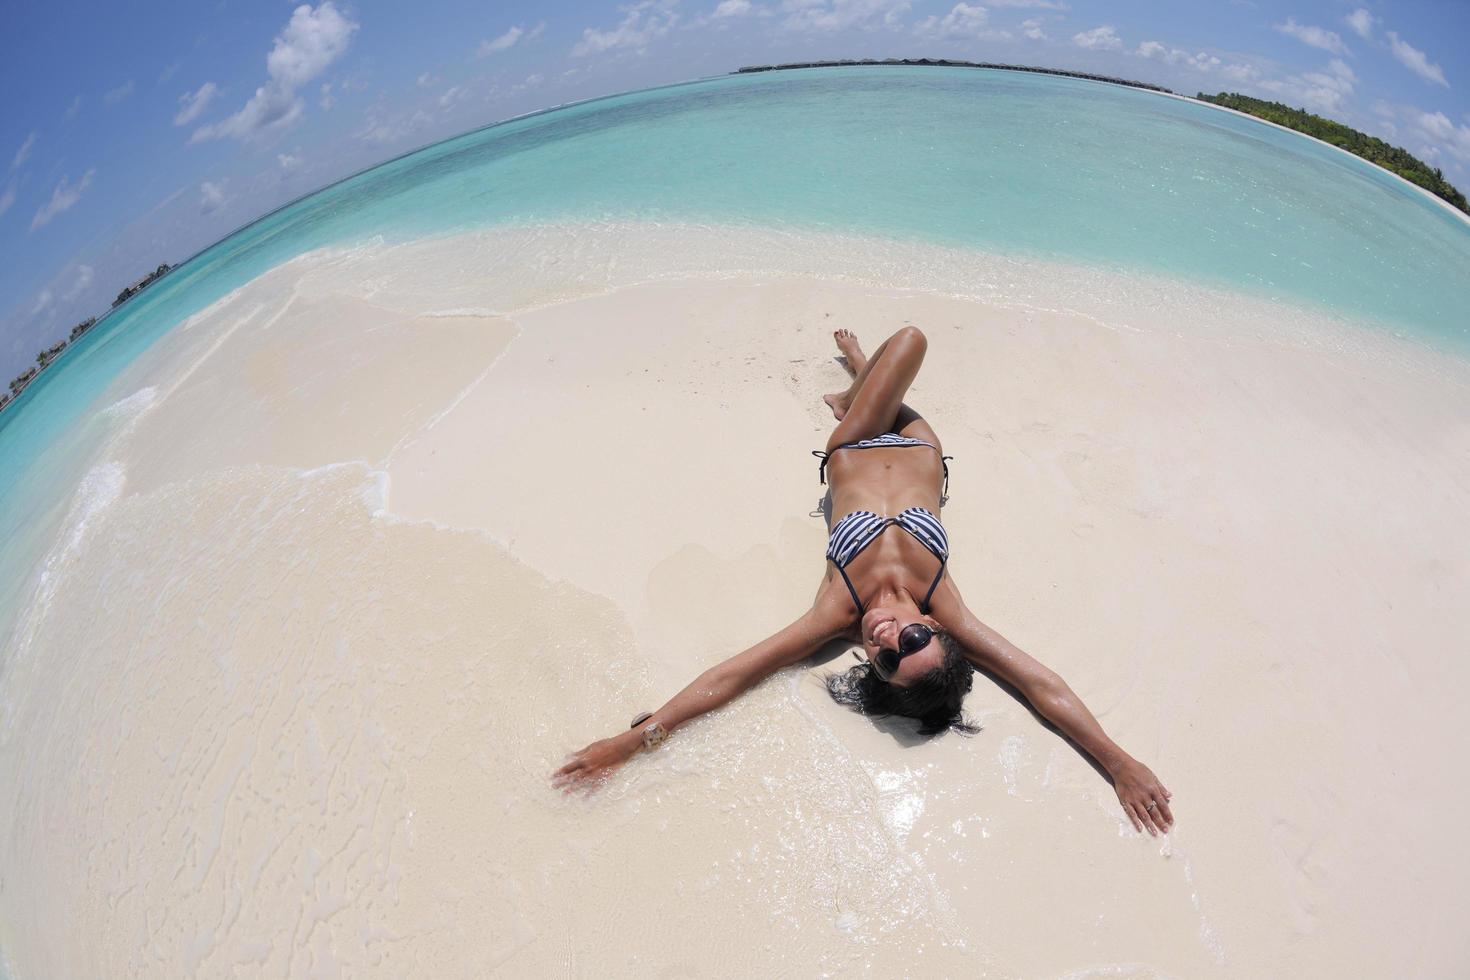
(654,735)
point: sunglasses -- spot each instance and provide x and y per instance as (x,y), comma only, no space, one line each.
(911,639)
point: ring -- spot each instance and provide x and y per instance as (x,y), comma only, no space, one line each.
(1150,806)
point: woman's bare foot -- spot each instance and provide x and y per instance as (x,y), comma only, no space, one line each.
(852,353)
(847,342)
(838,402)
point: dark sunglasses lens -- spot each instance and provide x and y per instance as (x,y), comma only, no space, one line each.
(914,637)
(887,663)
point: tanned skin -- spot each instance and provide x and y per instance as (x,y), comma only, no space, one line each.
(891,575)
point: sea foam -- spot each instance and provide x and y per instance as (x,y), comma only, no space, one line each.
(134,405)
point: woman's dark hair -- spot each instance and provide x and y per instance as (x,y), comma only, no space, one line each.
(934,699)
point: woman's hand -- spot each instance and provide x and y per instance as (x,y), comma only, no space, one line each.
(596,761)
(1144,798)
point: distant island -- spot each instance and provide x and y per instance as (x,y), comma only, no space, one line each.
(947,63)
(138,286)
(44,359)
(1391,158)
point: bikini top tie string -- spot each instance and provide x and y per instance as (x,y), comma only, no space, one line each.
(822,467)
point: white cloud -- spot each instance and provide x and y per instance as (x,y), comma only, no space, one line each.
(1317,37)
(529,82)
(1361,21)
(7,197)
(74,108)
(509,39)
(311,41)
(964,20)
(64,198)
(827,16)
(1098,39)
(1435,123)
(506,40)
(289,161)
(643,22)
(1338,78)
(1199,61)
(1029,4)
(1452,138)
(1416,61)
(168,73)
(193,104)
(1032,29)
(211,197)
(451,95)
(1385,114)
(425,80)
(1324,91)
(24,153)
(114,96)
(80,283)
(732,8)
(1431,135)
(43,300)
(271,110)
(1240,72)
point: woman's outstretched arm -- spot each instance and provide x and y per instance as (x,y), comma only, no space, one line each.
(1136,785)
(716,686)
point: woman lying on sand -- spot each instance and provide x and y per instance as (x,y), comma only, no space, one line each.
(887,585)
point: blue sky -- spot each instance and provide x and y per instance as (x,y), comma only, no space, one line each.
(137,133)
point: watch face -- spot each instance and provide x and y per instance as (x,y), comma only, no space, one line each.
(654,735)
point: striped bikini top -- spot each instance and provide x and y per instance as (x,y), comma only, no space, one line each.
(861,528)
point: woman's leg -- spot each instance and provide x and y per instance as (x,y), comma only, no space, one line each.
(857,365)
(873,404)
(907,423)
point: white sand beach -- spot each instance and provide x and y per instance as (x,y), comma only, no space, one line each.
(393,529)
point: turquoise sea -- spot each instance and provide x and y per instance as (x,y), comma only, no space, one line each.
(1005,162)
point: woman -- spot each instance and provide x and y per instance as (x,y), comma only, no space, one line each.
(887,586)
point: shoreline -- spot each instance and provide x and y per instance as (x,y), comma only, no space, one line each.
(1124,300)
(1068,284)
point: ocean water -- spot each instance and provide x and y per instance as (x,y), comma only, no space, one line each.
(1004,162)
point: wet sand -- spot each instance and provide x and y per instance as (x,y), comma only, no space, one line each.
(379,540)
